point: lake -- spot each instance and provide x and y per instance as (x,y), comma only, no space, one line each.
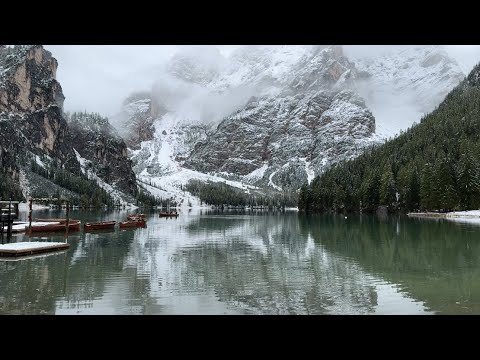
(234,262)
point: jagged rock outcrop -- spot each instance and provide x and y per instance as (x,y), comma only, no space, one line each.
(97,141)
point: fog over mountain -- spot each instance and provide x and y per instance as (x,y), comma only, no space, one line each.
(98,78)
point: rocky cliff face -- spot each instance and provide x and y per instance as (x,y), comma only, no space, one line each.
(98,142)
(29,79)
(31,104)
(35,137)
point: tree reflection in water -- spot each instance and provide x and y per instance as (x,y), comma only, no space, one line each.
(254,263)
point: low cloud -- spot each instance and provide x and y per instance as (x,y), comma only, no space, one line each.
(98,79)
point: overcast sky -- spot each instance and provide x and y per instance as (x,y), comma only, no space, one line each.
(97,78)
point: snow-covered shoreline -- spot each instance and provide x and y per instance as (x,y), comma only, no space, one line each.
(469,216)
(25,207)
(465,214)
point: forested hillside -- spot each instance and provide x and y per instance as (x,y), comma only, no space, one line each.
(219,194)
(432,166)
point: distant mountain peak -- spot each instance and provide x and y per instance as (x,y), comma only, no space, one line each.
(275,116)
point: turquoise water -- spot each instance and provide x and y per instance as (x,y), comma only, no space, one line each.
(251,263)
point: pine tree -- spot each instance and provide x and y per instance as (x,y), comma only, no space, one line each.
(387,186)
(468,177)
(304,198)
(370,191)
(413,194)
(446,185)
(427,196)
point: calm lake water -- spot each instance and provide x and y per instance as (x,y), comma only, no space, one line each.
(251,263)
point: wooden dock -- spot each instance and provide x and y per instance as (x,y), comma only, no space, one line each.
(30,248)
(34,256)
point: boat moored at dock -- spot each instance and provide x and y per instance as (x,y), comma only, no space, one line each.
(73,225)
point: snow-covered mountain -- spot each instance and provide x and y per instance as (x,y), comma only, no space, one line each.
(313,119)
(276,116)
(405,83)
(268,116)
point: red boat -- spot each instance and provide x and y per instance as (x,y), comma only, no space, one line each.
(99,225)
(136,217)
(132,224)
(73,225)
(61,221)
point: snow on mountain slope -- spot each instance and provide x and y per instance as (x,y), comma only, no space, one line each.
(405,83)
(270,116)
(262,66)
(276,116)
(118,196)
(315,116)
(158,163)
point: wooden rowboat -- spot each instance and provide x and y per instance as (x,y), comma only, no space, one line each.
(61,221)
(168,214)
(99,225)
(131,224)
(74,225)
(136,216)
